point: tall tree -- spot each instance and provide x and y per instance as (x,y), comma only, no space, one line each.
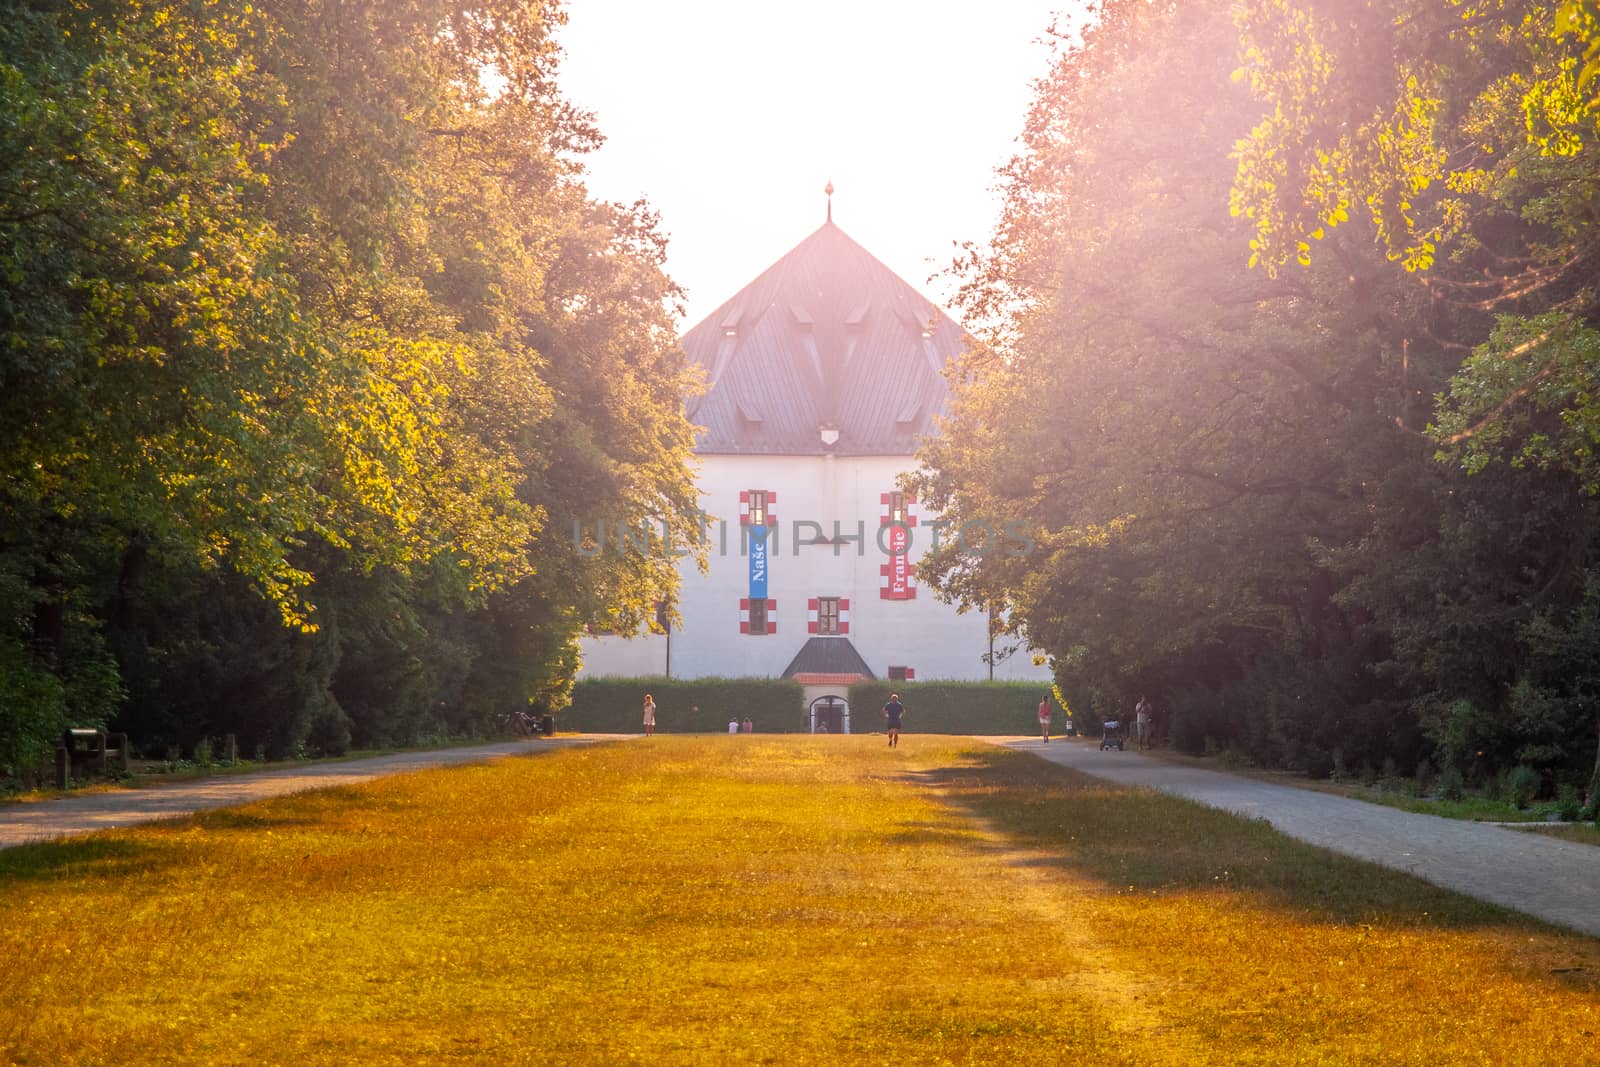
(1225,469)
(313,291)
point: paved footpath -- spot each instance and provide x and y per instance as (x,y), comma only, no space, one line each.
(86,812)
(1551,879)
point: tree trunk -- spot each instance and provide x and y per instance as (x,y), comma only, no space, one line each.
(50,621)
(135,558)
(1594,778)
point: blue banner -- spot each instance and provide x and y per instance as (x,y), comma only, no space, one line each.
(758,563)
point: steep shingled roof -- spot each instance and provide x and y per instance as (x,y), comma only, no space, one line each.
(828,656)
(827,337)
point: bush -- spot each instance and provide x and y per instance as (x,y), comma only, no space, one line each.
(1519,785)
(1452,786)
(1389,776)
(329,734)
(777,705)
(958,707)
(1197,720)
(1424,777)
(702,705)
(34,713)
(36,705)
(1569,808)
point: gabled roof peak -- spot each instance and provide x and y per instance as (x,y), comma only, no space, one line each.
(826,337)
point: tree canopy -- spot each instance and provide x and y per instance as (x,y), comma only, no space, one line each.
(312,342)
(1288,356)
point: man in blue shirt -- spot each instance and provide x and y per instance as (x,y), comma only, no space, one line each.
(891,713)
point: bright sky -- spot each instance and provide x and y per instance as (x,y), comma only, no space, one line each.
(730,116)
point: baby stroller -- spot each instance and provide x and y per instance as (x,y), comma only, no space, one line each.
(1112,735)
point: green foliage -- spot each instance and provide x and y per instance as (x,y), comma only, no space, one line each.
(955,707)
(294,313)
(1518,786)
(1569,805)
(1421,115)
(37,704)
(1342,506)
(34,717)
(704,705)
(1452,784)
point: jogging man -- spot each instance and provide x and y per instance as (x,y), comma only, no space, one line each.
(891,714)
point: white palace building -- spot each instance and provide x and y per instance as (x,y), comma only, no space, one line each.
(821,376)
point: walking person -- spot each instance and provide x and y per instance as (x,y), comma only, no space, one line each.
(892,712)
(1141,721)
(747,727)
(649,715)
(1044,718)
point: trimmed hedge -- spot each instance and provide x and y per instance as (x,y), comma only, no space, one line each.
(700,705)
(955,707)
(777,706)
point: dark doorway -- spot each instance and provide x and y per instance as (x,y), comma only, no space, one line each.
(828,715)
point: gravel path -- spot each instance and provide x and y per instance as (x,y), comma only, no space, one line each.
(1551,879)
(87,812)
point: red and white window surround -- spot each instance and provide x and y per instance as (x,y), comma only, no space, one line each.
(828,616)
(755,507)
(758,617)
(899,571)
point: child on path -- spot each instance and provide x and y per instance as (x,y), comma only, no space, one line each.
(649,715)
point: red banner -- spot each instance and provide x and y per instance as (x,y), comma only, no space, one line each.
(899,562)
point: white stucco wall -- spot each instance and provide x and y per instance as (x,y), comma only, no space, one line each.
(922,633)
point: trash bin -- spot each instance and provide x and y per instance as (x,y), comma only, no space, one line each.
(547,725)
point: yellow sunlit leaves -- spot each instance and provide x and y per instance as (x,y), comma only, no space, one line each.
(1391,154)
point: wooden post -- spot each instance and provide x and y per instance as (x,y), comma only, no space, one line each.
(121,742)
(230,749)
(63,767)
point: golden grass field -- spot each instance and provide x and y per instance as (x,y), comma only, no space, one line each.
(768,900)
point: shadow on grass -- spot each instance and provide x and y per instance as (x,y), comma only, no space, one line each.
(1129,839)
(932,833)
(251,821)
(87,858)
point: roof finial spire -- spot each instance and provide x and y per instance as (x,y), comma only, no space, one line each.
(829,190)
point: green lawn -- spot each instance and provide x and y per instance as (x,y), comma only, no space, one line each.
(760,899)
